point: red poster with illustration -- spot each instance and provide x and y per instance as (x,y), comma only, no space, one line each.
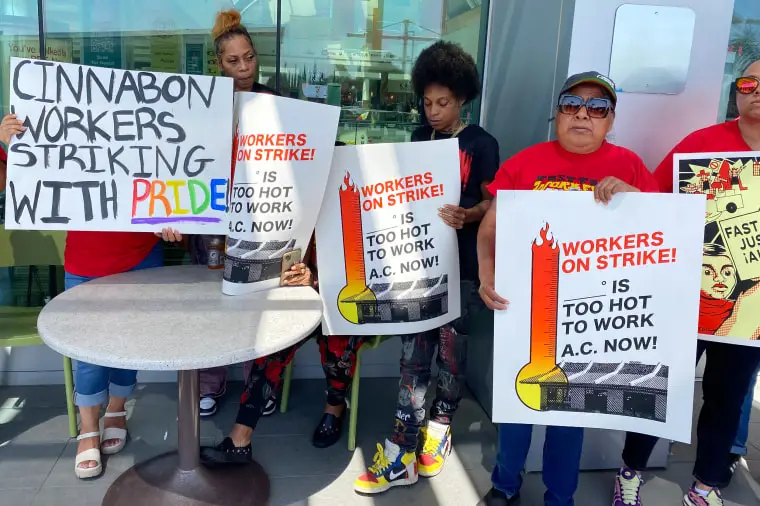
(729,293)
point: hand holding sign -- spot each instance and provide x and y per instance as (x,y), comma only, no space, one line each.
(453,216)
(9,127)
(608,187)
(169,235)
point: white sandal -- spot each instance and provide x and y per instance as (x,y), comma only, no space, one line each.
(91,454)
(112,433)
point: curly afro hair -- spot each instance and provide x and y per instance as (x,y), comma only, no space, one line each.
(447,64)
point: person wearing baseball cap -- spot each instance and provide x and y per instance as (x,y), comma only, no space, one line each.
(580,159)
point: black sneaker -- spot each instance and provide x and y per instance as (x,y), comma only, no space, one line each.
(207,406)
(496,497)
(270,407)
(329,430)
(226,453)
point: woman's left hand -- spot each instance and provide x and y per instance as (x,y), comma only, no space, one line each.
(298,275)
(453,216)
(169,235)
(608,187)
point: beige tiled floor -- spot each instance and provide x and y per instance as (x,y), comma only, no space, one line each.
(36,458)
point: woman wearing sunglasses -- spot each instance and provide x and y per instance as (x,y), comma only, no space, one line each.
(730,369)
(579,160)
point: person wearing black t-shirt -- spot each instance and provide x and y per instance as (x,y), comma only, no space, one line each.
(447,79)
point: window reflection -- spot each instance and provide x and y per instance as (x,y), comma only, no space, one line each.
(354,53)
(743,49)
(359,54)
(651,48)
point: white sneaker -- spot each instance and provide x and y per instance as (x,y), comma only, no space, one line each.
(270,407)
(208,406)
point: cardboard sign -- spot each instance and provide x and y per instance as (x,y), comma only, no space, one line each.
(599,329)
(731,249)
(115,150)
(282,153)
(388,264)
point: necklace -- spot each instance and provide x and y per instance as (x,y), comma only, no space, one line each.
(457,131)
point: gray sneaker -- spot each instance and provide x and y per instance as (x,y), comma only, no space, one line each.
(207,406)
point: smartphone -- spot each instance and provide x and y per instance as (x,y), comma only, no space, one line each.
(290,259)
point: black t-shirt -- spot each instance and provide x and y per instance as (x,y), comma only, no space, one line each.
(479,161)
(260,88)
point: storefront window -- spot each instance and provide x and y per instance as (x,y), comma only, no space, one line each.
(354,53)
(743,49)
(359,55)
(19,36)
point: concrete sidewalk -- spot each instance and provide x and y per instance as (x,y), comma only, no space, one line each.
(37,459)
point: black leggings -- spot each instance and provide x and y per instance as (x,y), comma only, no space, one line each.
(727,377)
(338,362)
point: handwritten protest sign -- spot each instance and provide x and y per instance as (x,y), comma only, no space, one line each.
(597,330)
(115,150)
(729,304)
(388,264)
(282,153)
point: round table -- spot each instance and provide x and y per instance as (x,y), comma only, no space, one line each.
(176,318)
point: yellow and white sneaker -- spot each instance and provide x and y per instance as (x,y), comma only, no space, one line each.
(392,468)
(436,447)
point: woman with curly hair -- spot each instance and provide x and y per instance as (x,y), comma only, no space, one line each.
(446,78)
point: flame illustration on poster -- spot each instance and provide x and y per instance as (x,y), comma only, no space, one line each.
(542,368)
(353,252)
(233,163)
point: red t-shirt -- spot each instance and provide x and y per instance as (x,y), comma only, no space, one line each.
(548,166)
(3,156)
(724,137)
(95,254)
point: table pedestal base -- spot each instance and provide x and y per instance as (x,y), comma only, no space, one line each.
(160,482)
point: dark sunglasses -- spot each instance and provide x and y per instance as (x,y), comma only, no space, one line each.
(747,85)
(596,107)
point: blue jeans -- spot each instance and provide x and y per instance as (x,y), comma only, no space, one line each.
(742,431)
(561,465)
(93,383)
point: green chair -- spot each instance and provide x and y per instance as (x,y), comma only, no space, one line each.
(353,413)
(18,325)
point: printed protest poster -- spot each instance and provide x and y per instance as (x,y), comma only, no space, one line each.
(597,333)
(388,264)
(282,152)
(115,150)
(729,298)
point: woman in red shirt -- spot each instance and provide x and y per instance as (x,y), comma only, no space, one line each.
(90,255)
(730,369)
(579,160)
